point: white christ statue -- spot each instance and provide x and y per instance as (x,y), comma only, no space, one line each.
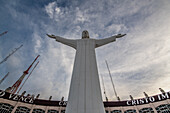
(85,93)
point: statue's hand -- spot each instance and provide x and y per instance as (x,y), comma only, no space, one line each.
(120,35)
(51,36)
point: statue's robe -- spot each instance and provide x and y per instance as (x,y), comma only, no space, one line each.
(85,92)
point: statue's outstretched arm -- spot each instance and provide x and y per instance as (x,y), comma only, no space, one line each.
(69,42)
(101,42)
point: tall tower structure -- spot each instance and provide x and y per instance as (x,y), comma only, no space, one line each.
(27,77)
(16,85)
(85,92)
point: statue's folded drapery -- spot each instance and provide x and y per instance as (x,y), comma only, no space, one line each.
(85,92)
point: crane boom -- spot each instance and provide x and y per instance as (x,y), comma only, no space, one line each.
(4,78)
(104,89)
(6,58)
(112,82)
(3,33)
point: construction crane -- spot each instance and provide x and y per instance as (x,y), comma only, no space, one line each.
(16,85)
(112,82)
(27,78)
(104,89)
(6,58)
(4,78)
(3,33)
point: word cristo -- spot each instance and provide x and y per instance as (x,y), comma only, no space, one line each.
(159,97)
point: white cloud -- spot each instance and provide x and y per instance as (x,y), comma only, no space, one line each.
(50,8)
(57,10)
(116,27)
(38,43)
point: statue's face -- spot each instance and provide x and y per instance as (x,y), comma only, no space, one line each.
(85,34)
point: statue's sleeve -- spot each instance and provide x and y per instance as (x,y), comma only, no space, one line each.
(69,42)
(101,42)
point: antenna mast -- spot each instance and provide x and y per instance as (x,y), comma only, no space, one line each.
(27,77)
(112,82)
(6,58)
(104,89)
(4,78)
(3,33)
(15,86)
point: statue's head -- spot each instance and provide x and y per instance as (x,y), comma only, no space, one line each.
(85,34)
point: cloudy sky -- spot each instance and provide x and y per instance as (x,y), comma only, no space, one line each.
(138,62)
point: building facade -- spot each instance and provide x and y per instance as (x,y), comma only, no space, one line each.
(12,103)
